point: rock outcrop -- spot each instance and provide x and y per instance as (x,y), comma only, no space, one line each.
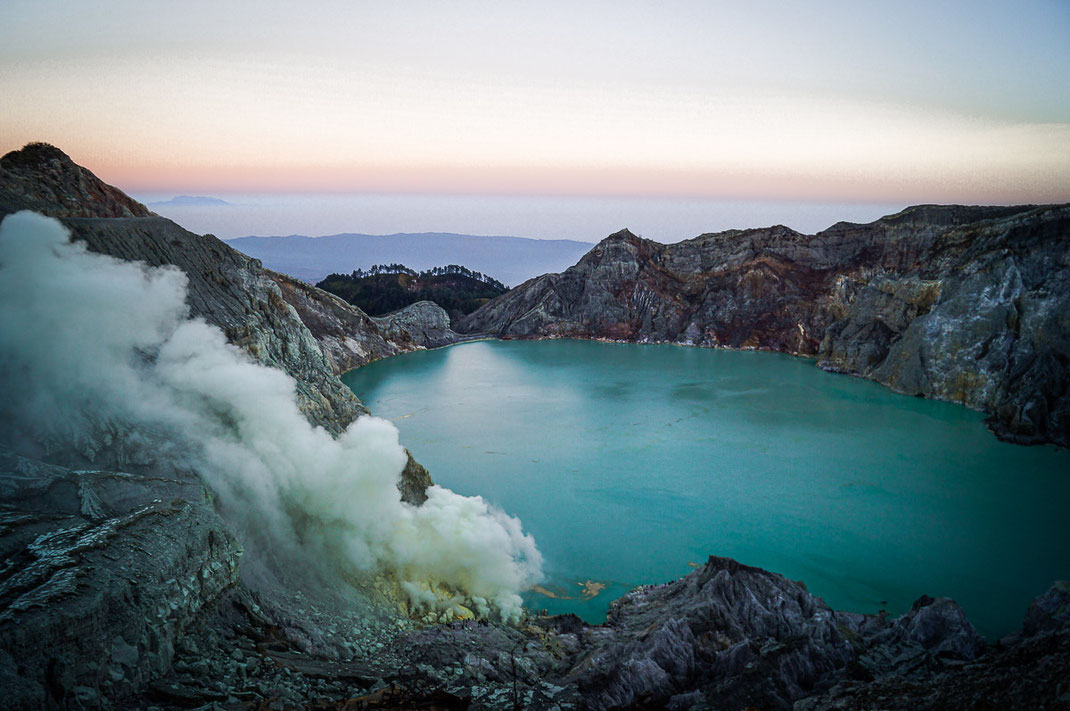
(42,178)
(425,322)
(348,337)
(103,571)
(967,304)
(281,322)
(1027,670)
(732,636)
(107,560)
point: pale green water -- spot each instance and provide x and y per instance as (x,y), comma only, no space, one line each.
(628,462)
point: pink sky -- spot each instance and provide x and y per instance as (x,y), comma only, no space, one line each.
(834,101)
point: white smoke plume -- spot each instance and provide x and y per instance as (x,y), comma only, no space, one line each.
(86,336)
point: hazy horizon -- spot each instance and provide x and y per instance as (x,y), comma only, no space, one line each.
(585,219)
(838,101)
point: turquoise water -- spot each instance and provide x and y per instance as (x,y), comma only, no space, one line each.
(631,463)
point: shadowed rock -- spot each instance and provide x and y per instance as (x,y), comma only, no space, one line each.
(732,636)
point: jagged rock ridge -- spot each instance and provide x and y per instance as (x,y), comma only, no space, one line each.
(282,322)
(968,304)
(105,553)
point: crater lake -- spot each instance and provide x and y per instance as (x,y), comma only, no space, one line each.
(631,464)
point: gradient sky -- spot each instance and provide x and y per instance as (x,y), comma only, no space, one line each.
(965,101)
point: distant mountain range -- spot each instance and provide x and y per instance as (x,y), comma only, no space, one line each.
(511,260)
(190,201)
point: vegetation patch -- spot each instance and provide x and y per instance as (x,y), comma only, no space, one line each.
(388,287)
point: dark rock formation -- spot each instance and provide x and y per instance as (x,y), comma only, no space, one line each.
(1028,670)
(103,572)
(42,178)
(968,304)
(106,561)
(414,481)
(731,636)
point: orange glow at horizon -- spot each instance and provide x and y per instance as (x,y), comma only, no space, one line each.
(458,100)
(520,180)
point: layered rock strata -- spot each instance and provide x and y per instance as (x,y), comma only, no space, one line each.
(103,572)
(281,322)
(967,304)
(110,553)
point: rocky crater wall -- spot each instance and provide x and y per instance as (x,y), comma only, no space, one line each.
(967,304)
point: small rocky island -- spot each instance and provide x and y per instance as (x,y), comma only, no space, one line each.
(128,583)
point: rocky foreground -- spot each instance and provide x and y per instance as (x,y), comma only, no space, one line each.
(122,586)
(967,304)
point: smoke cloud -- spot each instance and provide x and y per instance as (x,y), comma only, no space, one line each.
(86,338)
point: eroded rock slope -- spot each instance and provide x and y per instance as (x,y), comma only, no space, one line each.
(968,304)
(111,553)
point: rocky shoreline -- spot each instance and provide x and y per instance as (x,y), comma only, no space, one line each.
(123,583)
(964,304)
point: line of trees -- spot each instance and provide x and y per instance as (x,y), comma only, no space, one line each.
(383,288)
(377,269)
(449,269)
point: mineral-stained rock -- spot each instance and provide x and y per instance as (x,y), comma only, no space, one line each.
(349,337)
(968,304)
(425,322)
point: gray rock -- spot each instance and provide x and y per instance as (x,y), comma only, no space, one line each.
(426,323)
(738,636)
(118,590)
(279,321)
(968,304)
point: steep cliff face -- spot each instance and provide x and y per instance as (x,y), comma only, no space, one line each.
(110,558)
(968,304)
(281,322)
(348,337)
